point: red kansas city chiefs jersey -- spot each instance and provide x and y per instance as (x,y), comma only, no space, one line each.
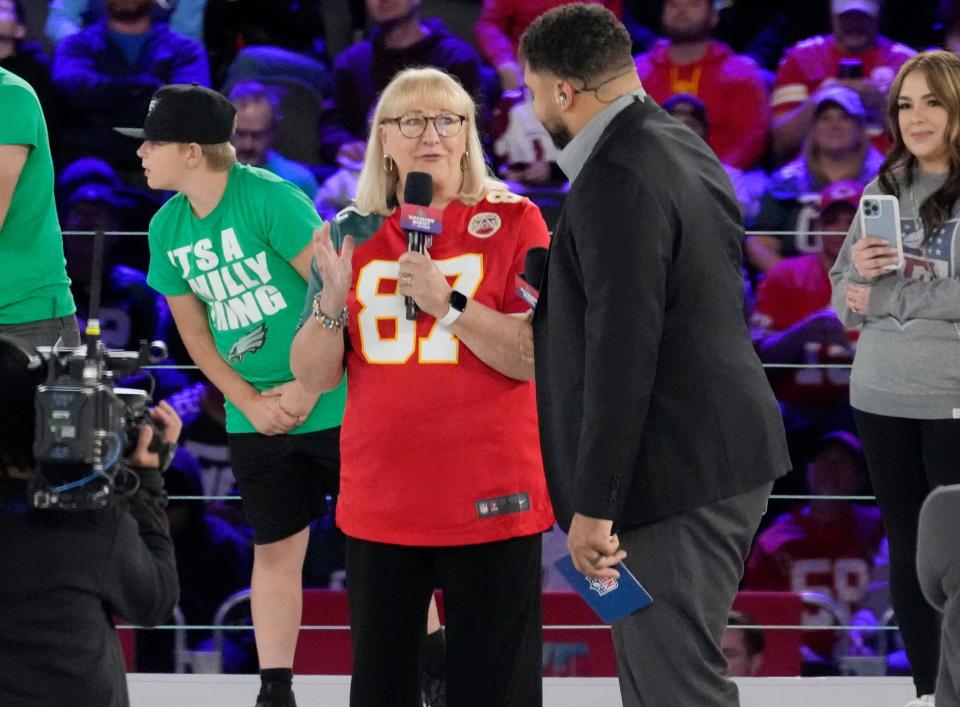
(437,448)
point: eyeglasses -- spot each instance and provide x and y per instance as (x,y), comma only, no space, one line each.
(413,125)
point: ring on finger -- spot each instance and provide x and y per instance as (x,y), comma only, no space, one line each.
(596,560)
(406,280)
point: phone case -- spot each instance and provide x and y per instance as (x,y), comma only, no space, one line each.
(880,217)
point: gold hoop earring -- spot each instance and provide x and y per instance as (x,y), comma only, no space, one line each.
(464,161)
(388,164)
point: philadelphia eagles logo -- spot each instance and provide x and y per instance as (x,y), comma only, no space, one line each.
(251,342)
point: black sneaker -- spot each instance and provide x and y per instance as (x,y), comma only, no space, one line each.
(272,695)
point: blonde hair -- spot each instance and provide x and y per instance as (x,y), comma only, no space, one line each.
(377,188)
(220,157)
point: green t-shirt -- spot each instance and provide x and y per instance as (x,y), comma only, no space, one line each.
(33,275)
(236,260)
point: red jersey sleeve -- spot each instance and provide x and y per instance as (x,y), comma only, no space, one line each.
(493,31)
(790,87)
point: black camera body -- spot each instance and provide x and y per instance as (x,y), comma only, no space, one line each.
(84,425)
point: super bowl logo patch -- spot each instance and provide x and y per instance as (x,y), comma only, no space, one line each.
(602,586)
(484,225)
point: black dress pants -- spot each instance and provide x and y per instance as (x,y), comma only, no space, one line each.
(491,597)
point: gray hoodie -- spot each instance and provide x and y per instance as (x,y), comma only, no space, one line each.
(908,358)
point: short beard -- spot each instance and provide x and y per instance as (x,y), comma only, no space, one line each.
(559,133)
(690,35)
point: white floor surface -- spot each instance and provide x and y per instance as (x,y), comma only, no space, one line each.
(148,690)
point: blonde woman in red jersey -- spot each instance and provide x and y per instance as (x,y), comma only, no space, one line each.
(442,484)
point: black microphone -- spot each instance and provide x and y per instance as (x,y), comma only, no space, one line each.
(419,221)
(528,282)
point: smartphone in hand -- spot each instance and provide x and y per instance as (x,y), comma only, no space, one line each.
(880,217)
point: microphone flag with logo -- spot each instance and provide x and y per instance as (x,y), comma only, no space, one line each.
(528,282)
(420,222)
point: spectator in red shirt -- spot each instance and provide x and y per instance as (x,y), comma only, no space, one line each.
(855,55)
(793,322)
(824,546)
(798,288)
(502,22)
(731,87)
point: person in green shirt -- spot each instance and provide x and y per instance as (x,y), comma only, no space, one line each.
(35,301)
(231,252)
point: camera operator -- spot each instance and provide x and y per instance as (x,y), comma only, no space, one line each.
(67,574)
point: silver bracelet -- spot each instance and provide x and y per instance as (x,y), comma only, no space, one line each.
(334,323)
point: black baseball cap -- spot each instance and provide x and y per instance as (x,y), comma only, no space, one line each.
(186,113)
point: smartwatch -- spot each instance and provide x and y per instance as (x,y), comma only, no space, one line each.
(458,303)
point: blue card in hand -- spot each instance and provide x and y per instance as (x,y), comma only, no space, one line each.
(611,599)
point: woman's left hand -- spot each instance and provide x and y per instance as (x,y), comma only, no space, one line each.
(421,279)
(858,299)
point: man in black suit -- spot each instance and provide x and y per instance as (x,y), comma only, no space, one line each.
(656,419)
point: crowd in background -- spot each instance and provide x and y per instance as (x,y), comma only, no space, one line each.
(790,94)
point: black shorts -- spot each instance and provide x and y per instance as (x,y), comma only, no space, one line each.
(284,480)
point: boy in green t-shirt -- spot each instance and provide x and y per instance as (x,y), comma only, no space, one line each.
(35,301)
(231,252)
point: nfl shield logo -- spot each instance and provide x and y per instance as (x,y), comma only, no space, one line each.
(602,586)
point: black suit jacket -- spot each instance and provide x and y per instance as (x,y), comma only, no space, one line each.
(651,398)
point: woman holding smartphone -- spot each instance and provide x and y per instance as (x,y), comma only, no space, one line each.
(905,384)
